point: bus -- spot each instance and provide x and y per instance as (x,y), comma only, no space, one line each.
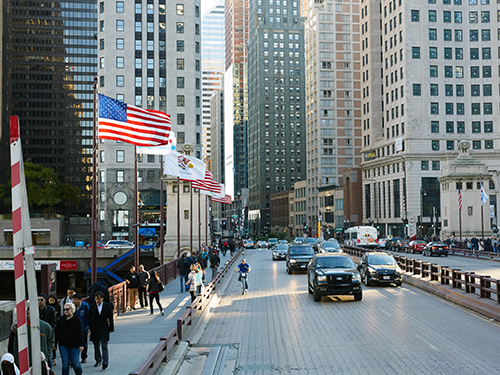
(365,236)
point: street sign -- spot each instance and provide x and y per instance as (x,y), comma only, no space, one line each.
(235,216)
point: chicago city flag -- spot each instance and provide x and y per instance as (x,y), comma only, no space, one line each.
(184,166)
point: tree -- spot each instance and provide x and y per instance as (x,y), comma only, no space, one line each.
(45,191)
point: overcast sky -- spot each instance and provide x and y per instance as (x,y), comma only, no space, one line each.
(206,5)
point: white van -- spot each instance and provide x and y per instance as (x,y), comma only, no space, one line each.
(365,236)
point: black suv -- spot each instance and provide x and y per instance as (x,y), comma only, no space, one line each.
(380,267)
(298,257)
(333,274)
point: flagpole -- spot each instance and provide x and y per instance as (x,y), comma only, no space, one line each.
(460,215)
(136,213)
(191,215)
(206,219)
(93,262)
(211,221)
(178,219)
(161,210)
(482,218)
(199,219)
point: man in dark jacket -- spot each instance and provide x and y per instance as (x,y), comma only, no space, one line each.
(47,313)
(143,286)
(99,286)
(232,246)
(101,325)
(183,266)
(132,280)
(214,263)
(82,311)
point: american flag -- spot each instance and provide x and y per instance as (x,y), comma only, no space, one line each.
(459,199)
(227,199)
(120,121)
(207,184)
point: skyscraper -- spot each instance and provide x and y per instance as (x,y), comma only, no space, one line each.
(429,80)
(52,65)
(276,123)
(213,66)
(333,92)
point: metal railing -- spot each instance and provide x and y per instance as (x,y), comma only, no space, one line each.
(470,282)
(162,350)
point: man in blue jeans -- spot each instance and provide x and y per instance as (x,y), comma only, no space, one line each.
(243,267)
(183,266)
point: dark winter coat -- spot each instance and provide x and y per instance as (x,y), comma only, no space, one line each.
(69,332)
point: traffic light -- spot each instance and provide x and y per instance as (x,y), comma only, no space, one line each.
(405,222)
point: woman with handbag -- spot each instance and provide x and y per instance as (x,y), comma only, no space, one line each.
(155,288)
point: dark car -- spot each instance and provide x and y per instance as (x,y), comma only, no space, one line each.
(435,248)
(279,251)
(401,246)
(392,243)
(380,267)
(298,257)
(312,242)
(330,274)
(271,242)
(330,247)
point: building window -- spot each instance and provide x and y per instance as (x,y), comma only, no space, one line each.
(119,176)
(180,9)
(447,34)
(120,81)
(434,89)
(432,34)
(101,25)
(488,108)
(180,100)
(488,144)
(180,82)
(434,126)
(450,127)
(460,90)
(119,7)
(180,119)
(449,108)
(432,16)
(138,81)
(180,27)
(180,46)
(415,15)
(487,71)
(101,62)
(101,44)
(151,158)
(433,52)
(450,145)
(448,71)
(433,71)
(138,100)
(488,127)
(120,62)
(459,72)
(486,53)
(120,25)
(424,165)
(120,156)
(180,137)
(448,90)
(435,145)
(101,7)
(476,145)
(120,44)
(415,52)
(476,108)
(460,127)
(460,108)
(435,108)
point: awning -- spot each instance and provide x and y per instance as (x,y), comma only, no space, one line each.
(147,232)
(339,229)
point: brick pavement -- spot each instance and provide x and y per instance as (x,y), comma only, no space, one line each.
(278,329)
(137,332)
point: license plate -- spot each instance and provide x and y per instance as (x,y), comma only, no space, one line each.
(387,277)
(303,266)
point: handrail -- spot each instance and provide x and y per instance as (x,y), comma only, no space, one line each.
(470,282)
(161,351)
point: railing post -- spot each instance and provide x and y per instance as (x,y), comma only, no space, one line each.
(179,329)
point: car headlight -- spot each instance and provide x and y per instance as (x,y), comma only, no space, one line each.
(321,279)
(274,253)
(355,277)
(371,270)
(293,261)
(399,271)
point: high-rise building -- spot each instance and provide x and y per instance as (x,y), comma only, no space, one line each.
(236,96)
(333,95)
(213,66)
(149,56)
(429,79)
(51,67)
(276,96)
(4,92)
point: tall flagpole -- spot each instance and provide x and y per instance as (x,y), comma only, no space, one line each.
(161,211)
(460,216)
(482,218)
(136,214)
(206,220)
(178,220)
(94,187)
(211,222)
(190,215)
(199,219)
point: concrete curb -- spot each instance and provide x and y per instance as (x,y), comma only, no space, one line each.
(471,301)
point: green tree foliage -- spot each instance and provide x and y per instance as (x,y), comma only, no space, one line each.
(45,191)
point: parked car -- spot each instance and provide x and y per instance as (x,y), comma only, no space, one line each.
(99,245)
(279,251)
(313,242)
(297,257)
(249,244)
(330,247)
(271,242)
(380,267)
(333,274)
(416,246)
(298,240)
(435,248)
(262,245)
(118,244)
(283,242)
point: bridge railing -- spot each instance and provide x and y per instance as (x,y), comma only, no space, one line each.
(470,282)
(161,351)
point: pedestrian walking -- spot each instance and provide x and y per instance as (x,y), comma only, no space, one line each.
(132,281)
(495,244)
(199,278)
(69,337)
(192,282)
(224,248)
(232,246)
(47,313)
(70,292)
(183,266)
(96,287)
(155,288)
(82,311)
(52,301)
(143,287)
(8,365)
(101,325)
(214,263)
(474,243)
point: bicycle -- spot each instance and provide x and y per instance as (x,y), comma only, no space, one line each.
(244,283)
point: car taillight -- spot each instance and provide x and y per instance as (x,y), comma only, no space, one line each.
(434,247)
(446,247)
(358,240)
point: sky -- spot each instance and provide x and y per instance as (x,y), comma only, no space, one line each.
(206,5)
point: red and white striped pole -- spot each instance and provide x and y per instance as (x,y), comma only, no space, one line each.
(23,246)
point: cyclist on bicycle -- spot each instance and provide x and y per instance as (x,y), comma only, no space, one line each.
(244,267)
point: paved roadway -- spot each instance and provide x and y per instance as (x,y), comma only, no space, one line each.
(470,264)
(278,329)
(137,332)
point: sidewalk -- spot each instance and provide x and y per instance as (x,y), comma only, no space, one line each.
(137,333)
